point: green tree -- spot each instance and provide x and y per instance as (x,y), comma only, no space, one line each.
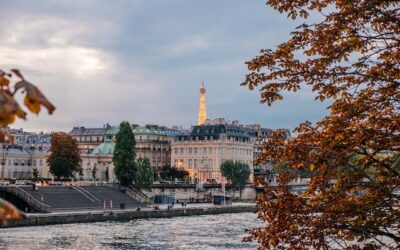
(172,173)
(59,168)
(145,176)
(236,172)
(35,174)
(124,155)
(64,148)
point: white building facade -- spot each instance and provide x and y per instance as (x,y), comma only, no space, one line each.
(202,151)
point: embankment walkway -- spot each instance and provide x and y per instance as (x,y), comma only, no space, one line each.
(128,214)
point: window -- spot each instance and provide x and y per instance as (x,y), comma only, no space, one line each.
(210,150)
(195,151)
(190,163)
(195,163)
(204,150)
(181,150)
(176,150)
(190,151)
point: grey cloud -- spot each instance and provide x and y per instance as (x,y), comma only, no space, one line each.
(143,61)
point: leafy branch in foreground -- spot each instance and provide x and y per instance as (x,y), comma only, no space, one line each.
(350,58)
(10,109)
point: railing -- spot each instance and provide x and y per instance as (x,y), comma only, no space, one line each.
(87,192)
(137,194)
(132,192)
(32,201)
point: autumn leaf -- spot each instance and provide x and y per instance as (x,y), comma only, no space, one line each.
(34,99)
(349,58)
(9,211)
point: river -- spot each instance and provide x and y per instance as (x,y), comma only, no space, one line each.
(224,231)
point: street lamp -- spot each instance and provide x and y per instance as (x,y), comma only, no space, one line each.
(3,163)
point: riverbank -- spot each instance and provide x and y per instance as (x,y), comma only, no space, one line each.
(124,215)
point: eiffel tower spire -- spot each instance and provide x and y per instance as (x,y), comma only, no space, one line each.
(202,107)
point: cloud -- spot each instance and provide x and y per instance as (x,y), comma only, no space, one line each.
(143,61)
(190,45)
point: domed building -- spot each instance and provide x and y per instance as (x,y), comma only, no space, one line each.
(152,142)
(98,165)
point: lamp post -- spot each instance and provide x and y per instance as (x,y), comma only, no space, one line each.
(3,162)
(5,153)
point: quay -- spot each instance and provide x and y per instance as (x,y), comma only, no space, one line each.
(126,215)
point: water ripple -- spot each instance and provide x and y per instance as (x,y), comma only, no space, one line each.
(201,232)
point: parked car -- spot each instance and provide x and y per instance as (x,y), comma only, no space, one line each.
(4,182)
(55,183)
(20,183)
(23,182)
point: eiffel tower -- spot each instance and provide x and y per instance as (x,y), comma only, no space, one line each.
(202,107)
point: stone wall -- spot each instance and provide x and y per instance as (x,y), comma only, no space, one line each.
(188,192)
(123,215)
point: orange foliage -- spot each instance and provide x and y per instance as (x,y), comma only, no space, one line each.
(352,59)
(65,147)
(9,111)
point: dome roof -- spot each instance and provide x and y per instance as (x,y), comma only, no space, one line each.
(105,148)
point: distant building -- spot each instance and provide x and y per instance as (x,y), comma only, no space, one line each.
(25,153)
(152,142)
(88,138)
(202,150)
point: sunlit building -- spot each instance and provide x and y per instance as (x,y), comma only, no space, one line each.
(202,150)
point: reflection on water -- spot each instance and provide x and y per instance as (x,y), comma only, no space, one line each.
(223,231)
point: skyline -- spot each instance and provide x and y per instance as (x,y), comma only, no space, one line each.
(146,66)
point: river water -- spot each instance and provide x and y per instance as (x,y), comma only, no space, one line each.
(224,231)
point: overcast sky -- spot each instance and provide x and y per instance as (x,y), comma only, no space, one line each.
(143,61)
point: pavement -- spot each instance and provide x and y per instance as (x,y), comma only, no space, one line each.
(151,208)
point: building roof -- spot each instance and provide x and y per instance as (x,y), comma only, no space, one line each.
(105,148)
(87,131)
(146,130)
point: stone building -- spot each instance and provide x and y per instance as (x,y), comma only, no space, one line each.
(152,142)
(97,164)
(202,150)
(28,151)
(88,138)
